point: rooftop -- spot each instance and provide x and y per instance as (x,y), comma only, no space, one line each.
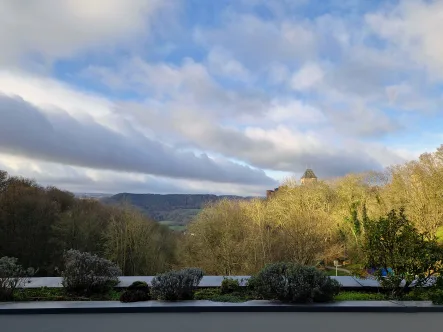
(309,174)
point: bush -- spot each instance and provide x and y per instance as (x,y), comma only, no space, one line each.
(393,244)
(229,286)
(139,285)
(290,282)
(176,285)
(136,292)
(11,276)
(88,273)
(435,292)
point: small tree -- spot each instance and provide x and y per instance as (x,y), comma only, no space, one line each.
(394,246)
(12,275)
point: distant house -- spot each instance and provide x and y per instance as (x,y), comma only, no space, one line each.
(307,177)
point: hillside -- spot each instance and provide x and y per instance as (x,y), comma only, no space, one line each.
(174,210)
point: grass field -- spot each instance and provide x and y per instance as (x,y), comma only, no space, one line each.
(173,225)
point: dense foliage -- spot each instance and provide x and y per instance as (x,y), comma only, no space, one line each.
(12,275)
(229,286)
(136,292)
(38,224)
(87,273)
(176,285)
(295,283)
(394,246)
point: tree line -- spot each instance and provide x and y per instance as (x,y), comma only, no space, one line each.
(306,224)
(37,225)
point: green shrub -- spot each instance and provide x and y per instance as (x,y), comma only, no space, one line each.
(393,243)
(229,286)
(88,273)
(435,292)
(214,294)
(138,285)
(136,292)
(12,275)
(206,293)
(359,296)
(290,282)
(176,285)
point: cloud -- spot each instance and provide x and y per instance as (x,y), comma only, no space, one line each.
(80,179)
(413,27)
(308,76)
(246,34)
(222,63)
(206,117)
(51,29)
(189,83)
(57,137)
(128,97)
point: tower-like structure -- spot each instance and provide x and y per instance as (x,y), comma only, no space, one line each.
(308,177)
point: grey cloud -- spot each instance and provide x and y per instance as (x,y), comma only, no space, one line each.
(329,159)
(27,131)
(79,180)
(150,185)
(192,130)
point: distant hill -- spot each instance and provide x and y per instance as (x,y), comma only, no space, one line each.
(92,195)
(174,210)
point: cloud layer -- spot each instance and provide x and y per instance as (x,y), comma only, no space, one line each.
(177,96)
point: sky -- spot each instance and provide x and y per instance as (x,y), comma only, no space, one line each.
(223,97)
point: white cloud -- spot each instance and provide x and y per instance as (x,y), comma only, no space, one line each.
(62,28)
(307,77)
(295,112)
(414,28)
(222,63)
(284,41)
(278,73)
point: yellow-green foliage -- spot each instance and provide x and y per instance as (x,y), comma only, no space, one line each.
(315,222)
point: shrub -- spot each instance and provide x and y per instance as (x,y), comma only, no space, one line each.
(435,292)
(137,291)
(176,285)
(88,273)
(229,286)
(393,244)
(138,285)
(290,282)
(11,276)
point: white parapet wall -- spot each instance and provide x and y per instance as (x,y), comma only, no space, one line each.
(207,281)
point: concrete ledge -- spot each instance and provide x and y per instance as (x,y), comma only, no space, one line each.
(94,307)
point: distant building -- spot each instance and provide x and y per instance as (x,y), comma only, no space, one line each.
(307,177)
